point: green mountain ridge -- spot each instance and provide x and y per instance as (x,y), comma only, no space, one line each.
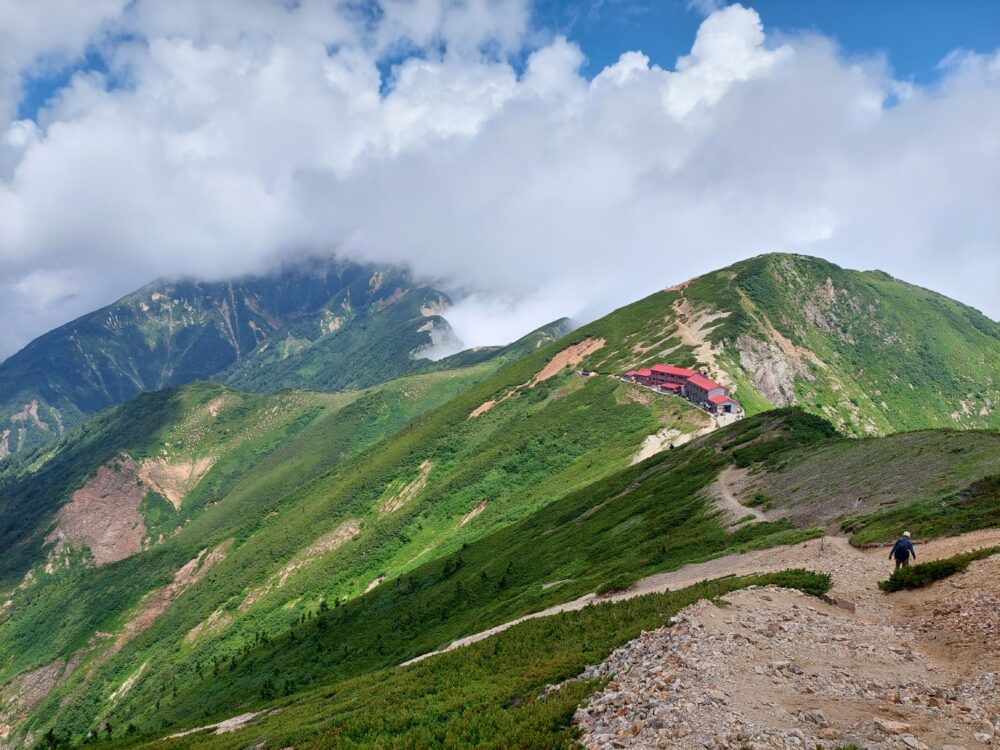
(872,354)
(308,326)
(334,536)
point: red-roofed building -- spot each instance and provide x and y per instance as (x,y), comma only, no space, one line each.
(720,403)
(694,386)
(643,376)
(699,388)
(669,374)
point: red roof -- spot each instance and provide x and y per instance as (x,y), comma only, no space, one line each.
(718,398)
(643,373)
(630,373)
(674,370)
(702,382)
(671,386)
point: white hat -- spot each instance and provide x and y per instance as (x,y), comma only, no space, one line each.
(906,533)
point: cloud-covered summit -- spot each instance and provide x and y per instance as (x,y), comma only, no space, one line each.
(461,139)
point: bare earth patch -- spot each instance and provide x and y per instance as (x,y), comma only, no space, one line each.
(568,357)
(174,480)
(103,515)
(325,544)
(476,510)
(406,493)
(222,727)
(571,356)
(156,603)
(655,443)
(215,623)
(20,696)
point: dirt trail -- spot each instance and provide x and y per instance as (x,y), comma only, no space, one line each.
(776,669)
(726,500)
(855,575)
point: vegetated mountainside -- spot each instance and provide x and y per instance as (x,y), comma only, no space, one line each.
(279,538)
(872,354)
(306,583)
(326,591)
(320,325)
(132,475)
(329,665)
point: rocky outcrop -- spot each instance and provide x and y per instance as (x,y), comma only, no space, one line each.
(772,365)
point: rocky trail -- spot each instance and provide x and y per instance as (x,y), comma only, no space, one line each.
(774,668)
(778,669)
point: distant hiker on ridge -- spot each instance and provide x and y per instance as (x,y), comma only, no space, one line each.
(902,550)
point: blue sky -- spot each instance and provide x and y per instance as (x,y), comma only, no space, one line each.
(914,35)
(538,181)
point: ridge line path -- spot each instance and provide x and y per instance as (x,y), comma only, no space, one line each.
(855,575)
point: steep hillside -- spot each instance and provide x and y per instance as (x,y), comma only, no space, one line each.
(342,563)
(331,672)
(135,474)
(280,539)
(870,353)
(323,325)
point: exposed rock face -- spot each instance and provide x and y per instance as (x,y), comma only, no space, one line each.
(104,514)
(771,373)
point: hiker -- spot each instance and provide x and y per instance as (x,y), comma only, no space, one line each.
(902,550)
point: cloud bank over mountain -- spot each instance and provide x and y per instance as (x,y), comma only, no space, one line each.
(214,139)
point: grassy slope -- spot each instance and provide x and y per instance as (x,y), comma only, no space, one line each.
(566,433)
(976,506)
(523,454)
(893,356)
(484,696)
(175,425)
(657,520)
(855,482)
(244,486)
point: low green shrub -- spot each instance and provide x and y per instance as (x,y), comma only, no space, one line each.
(621,582)
(924,574)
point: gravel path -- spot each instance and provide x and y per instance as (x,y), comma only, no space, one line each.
(855,572)
(776,669)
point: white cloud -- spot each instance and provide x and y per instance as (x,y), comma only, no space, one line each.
(226,134)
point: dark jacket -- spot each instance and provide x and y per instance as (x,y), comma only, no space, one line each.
(903,550)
